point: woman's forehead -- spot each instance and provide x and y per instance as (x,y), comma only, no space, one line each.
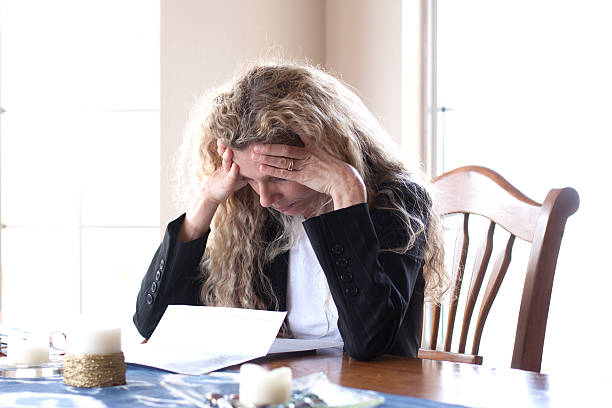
(248,167)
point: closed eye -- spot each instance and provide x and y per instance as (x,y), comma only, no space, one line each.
(270,179)
(276,180)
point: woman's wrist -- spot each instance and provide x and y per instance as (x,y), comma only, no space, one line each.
(198,219)
(190,231)
(187,232)
(349,189)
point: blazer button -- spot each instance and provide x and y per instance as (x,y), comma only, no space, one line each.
(342,262)
(337,249)
(346,277)
(161,264)
(154,287)
(158,275)
(353,290)
(149,299)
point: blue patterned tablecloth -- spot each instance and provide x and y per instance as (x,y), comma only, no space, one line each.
(146,387)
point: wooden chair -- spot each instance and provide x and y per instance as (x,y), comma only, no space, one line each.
(481,191)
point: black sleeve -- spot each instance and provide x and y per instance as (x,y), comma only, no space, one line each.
(172,278)
(371,288)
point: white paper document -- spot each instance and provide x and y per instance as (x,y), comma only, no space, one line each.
(295,345)
(200,339)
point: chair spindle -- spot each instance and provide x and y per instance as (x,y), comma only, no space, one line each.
(435,325)
(480,269)
(495,281)
(461,248)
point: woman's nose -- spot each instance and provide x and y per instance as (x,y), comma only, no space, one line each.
(267,195)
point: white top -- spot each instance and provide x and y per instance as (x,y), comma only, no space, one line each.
(312,313)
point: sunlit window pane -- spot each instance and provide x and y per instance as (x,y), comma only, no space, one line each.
(526,87)
(114,261)
(121,174)
(80,53)
(40,280)
(40,169)
(80,147)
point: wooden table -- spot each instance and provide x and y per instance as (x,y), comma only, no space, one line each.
(463,384)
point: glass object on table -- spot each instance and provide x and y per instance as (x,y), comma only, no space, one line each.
(31,354)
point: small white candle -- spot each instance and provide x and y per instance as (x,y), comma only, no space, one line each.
(259,386)
(90,340)
(31,350)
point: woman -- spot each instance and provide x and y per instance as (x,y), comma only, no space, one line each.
(301,208)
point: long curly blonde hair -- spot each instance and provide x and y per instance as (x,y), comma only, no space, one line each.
(264,105)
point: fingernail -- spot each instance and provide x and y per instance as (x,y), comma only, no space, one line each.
(257,148)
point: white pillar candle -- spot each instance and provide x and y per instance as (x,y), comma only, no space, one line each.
(259,386)
(90,340)
(31,350)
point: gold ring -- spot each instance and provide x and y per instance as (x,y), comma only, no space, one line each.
(290,168)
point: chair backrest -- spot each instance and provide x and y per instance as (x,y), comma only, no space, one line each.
(481,191)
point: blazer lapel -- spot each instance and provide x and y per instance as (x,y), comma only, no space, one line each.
(277,274)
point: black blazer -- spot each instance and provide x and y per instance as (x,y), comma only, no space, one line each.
(379,294)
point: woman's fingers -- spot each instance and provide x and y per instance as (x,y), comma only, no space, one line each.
(280,173)
(220,148)
(227,159)
(235,182)
(234,173)
(281,161)
(281,150)
(227,156)
(275,161)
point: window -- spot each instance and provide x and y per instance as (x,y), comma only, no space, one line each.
(523,88)
(79,85)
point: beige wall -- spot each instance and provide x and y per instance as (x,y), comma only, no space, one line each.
(295,28)
(0,217)
(414,86)
(198,51)
(204,41)
(363,46)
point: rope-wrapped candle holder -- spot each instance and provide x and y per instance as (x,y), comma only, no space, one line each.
(91,370)
(94,358)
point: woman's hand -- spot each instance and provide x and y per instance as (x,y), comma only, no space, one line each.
(224,181)
(313,167)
